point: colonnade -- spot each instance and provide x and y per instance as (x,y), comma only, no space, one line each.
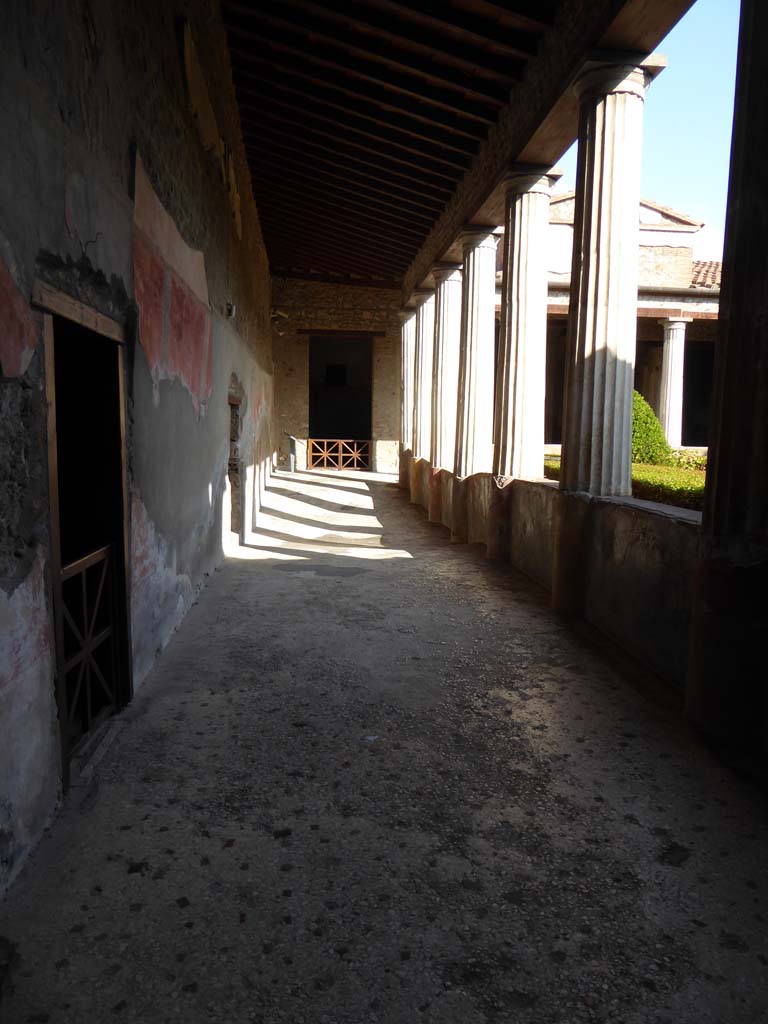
(492,390)
(489,392)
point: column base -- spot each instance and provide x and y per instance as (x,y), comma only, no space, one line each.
(459,511)
(571,553)
(497,545)
(404,469)
(727,692)
(435,495)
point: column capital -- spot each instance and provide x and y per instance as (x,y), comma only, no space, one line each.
(617,73)
(666,320)
(406,312)
(533,179)
(476,236)
(420,295)
(446,271)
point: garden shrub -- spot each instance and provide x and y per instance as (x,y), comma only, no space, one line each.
(689,459)
(649,445)
(669,485)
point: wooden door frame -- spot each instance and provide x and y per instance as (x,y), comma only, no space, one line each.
(56,303)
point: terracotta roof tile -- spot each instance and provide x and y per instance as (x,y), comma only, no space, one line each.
(706,274)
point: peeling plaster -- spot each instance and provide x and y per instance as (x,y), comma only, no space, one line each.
(19,327)
(160,594)
(29,754)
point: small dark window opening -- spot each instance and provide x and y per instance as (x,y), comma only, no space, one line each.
(336,375)
(235,482)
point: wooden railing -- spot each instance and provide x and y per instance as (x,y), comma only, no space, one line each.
(88,641)
(323,453)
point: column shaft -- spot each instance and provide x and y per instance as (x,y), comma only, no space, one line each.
(521,375)
(407,355)
(727,692)
(672,369)
(597,450)
(474,419)
(422,399)
(446,365)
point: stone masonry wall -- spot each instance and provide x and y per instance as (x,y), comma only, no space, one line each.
(312,305)
(86,89)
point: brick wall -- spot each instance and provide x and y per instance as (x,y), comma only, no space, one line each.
(311,305)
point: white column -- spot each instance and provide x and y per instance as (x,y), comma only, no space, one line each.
(521,381)
(672,367)
(422,397)
(446,365)
(597,429)
(407,355)
(474,416)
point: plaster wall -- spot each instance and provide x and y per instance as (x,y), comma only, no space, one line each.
(532,528)
(313,305)
(641,562)
(84,89)
(479,489)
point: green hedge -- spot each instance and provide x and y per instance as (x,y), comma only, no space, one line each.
(649,445)
(669,485)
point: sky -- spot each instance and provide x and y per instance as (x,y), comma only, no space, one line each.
(688,117)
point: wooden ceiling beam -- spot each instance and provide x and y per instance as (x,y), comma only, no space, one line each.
(510,42)
(420,184)
(307,246)
(420,94)
(342,181)
(344,44)
(313,184)
(392,284)
(415,40)
(303,92)
(305,115)
(297,128)
(366,96)
(370,235)
(529,15)
(332,260)
(353,230)
(277,182)
(341,263)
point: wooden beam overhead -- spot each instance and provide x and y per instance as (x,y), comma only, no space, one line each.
(427,188)
(367,94)
(371,77)
(342,167)
(263,162)
(513,42)
(418,40)
(361,119)
(417,133)
(345,44)
(338,193)
(310,114)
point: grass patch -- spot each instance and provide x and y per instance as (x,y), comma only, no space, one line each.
(669,485)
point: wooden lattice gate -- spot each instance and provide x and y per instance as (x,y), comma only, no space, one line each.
(324,453)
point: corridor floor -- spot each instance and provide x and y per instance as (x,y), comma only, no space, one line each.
(373,779)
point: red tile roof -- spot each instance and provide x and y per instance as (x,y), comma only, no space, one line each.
(706,274)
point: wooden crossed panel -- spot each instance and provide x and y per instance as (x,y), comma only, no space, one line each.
(88,640)
(326,453)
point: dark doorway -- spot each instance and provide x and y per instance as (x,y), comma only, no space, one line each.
(235,481)
(87,482)
(340,393)
(697,392)
(340,388)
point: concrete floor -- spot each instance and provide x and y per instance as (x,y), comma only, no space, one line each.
(373,779)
